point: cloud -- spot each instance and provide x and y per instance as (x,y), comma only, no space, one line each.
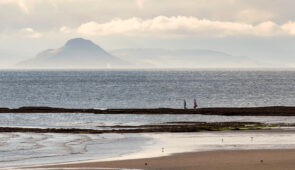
(184,26)
(22,4)
(30,33)
(255,15)
(65,30)
(140,3)
(7,1)
(289,27)
(163,26)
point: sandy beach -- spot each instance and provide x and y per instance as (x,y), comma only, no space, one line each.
(227,160)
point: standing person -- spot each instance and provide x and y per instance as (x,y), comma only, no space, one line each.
(184,104)
(195,104)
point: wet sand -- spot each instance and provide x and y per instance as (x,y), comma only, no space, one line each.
(211,160)
(228,111)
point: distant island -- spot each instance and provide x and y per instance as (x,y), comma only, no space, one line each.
(79,53)
(185,58)
(76,53)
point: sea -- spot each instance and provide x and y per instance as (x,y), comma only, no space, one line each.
(146,88)
(102,89)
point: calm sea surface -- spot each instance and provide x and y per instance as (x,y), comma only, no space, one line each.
(146,89)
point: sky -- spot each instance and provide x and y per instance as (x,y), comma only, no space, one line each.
(261,29)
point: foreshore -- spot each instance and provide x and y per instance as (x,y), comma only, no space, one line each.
(210,160)
(230,152)
(226,111)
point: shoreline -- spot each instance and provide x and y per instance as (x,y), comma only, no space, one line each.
(224,111)
(220,159)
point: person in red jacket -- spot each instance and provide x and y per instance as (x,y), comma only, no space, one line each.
(195,104)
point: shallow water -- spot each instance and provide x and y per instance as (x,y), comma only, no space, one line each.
(19,149)
(92,121)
